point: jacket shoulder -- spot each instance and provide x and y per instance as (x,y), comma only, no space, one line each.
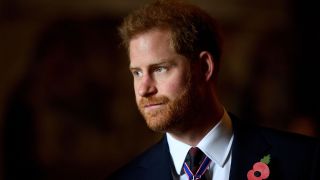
(279,138)
(136,168)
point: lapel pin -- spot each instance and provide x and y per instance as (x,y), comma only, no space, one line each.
(260,169)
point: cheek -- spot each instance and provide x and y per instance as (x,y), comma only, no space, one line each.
(174,87)
(137,101)
(135,89)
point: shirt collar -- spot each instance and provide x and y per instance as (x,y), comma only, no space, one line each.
(216,144)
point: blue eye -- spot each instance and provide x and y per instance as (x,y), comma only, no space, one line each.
(161,69)
(137,73)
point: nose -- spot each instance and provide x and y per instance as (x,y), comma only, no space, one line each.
(147,87)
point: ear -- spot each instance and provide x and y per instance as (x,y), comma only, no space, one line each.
(207,64)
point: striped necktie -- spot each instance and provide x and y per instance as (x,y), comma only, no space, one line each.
(196,164)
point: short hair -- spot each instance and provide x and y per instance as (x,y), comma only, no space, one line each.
(192,29)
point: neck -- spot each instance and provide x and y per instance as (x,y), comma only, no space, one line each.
(195,128)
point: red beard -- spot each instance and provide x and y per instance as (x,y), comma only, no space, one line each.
(172,113)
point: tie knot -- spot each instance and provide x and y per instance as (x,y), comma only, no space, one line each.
(196,163)
(194,158)
(195,152)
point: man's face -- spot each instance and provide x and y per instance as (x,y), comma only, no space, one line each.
(162,80)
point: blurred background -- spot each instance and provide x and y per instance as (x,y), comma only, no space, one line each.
(67,107)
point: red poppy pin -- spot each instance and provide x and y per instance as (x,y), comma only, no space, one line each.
(260,169)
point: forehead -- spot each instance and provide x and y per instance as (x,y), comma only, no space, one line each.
(155,36)
(155,44)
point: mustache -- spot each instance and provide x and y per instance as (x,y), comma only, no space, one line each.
(153,100)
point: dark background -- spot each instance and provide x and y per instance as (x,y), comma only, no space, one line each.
(67,107)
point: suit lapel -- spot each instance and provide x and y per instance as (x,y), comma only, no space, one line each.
(249,146)
(157,164)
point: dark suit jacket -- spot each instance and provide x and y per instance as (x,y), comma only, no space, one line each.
(293,157)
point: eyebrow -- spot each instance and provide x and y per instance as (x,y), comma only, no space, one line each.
(163,62)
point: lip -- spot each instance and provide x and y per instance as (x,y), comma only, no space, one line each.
(153,106)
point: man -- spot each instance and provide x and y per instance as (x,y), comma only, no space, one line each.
(174,50)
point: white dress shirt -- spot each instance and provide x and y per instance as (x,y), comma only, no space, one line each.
(216,145)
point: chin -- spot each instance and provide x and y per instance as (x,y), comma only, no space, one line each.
(158,125)
(163,124)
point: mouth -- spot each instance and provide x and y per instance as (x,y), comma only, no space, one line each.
(153,106)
